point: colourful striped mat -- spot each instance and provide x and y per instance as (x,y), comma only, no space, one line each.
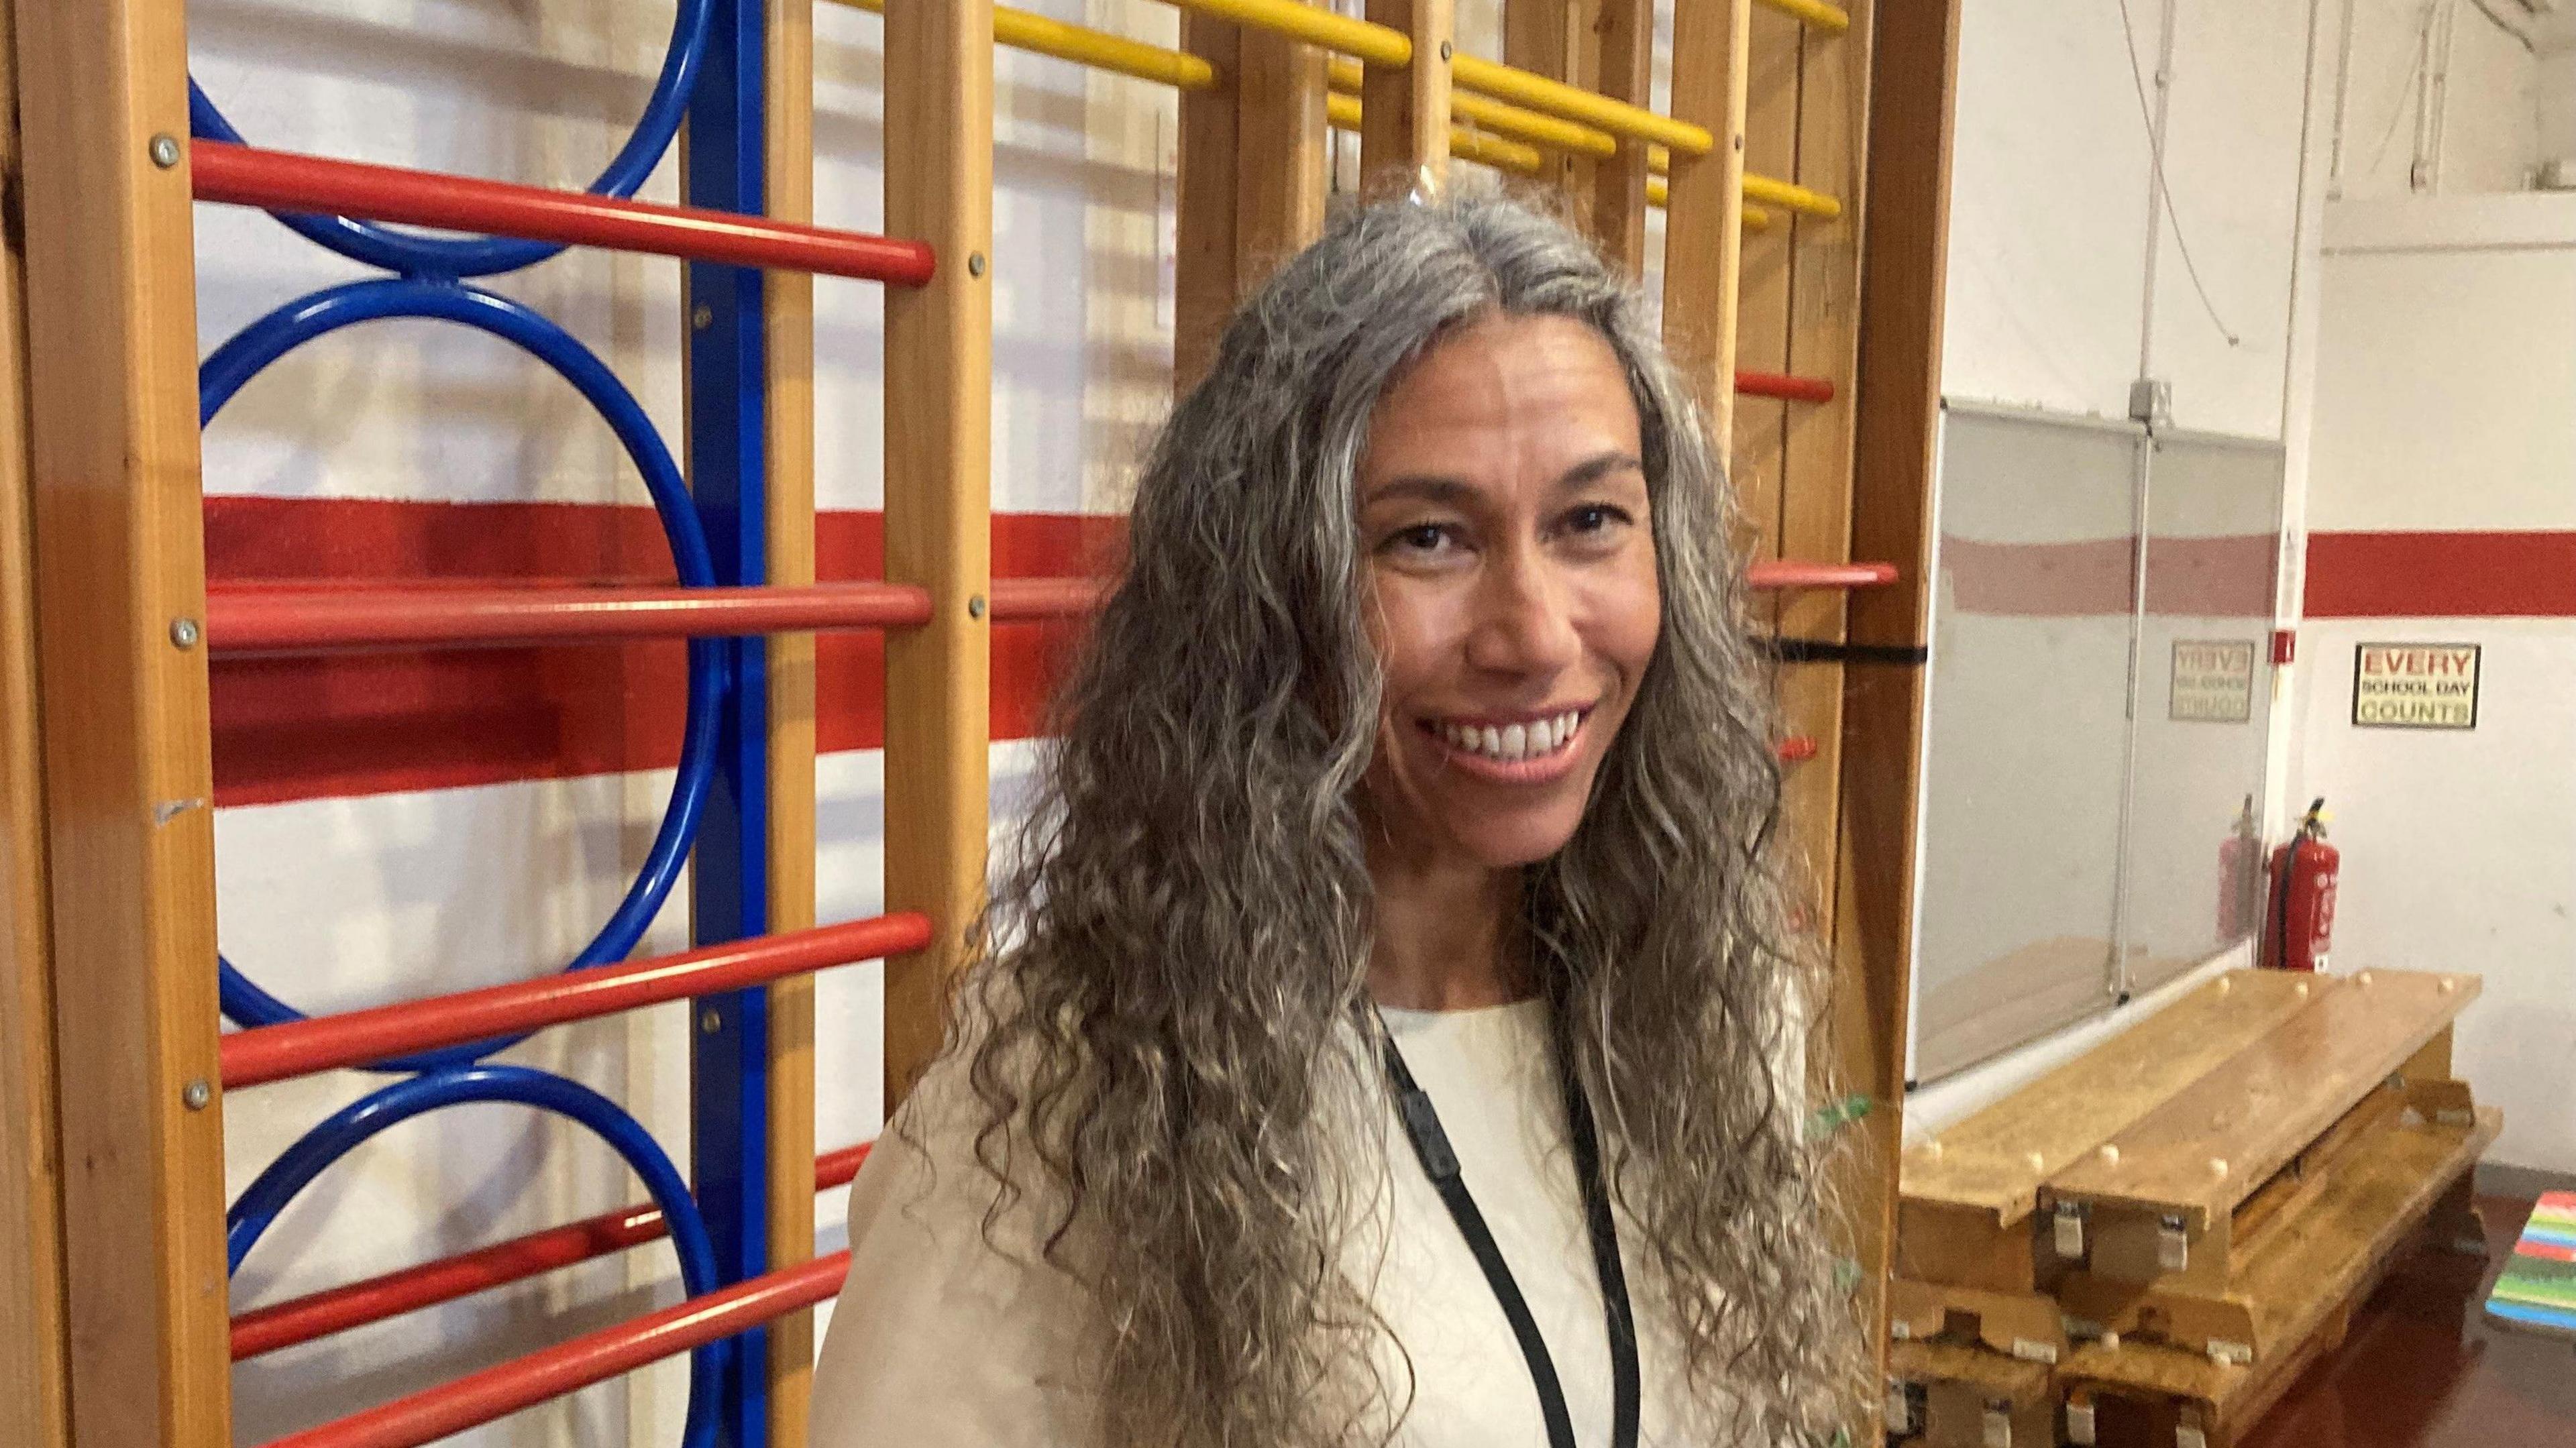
(2538,1288)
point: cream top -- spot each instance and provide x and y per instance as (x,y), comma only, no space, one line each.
(939,1341)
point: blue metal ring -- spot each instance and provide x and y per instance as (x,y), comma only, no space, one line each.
(306,318)
(298,1165)
(416,255)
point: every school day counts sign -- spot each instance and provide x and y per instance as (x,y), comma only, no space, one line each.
(2212,681)
(2415,686)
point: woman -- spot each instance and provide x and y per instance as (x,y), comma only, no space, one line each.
(1388,1031)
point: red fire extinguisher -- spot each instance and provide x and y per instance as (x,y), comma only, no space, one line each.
(2303,897)
(2240,877)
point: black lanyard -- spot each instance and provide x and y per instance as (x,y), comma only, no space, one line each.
(1440,1163)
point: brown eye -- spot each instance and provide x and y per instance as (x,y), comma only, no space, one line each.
(1422,540)
(1593,519)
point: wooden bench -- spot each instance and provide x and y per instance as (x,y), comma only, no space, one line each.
(2173,1222)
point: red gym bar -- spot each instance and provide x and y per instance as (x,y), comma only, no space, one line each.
(300,1048)
(300,618)
(338,1309)
(1785,574)
(1784,386)
(286,181)
(1029,600)
(505,1388)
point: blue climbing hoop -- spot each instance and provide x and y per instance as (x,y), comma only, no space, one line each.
(413,254)
(296,1167)
(302,320)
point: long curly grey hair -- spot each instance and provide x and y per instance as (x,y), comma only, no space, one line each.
(1159,1023)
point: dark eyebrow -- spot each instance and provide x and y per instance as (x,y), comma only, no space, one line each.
(1595,469)
(1429,489)
(1432,488)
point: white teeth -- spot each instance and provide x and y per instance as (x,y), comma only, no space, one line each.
(1512,743)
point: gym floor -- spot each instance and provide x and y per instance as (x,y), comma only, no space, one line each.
(2424,1368)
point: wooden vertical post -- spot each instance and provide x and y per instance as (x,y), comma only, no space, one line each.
(1822,340)
(1704,212)
(1758,465)
(1251,177)
(1624,70)
(938,486)
(1555,38)
(1913,65)
(1279,89)
(788,494)
(1204,281)
(1404,116)
(31,1244)
(120,613)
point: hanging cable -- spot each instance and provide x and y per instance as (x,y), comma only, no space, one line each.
(2164,192)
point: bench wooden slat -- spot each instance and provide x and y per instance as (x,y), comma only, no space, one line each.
(2343,1242)
(2267,1102)
(1997,1159)
(2359,1223)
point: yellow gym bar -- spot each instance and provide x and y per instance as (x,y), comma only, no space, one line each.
(1564,135)
(1383,45)
(1342,113)
(1761,188)
(1832,19)
(1508,83)
(1021,30)
(1494,115)
(1376,44)
(1790,195)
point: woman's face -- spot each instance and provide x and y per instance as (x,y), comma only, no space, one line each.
(1512,594)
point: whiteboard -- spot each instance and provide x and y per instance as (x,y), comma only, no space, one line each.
(2026,739)
(2197,783)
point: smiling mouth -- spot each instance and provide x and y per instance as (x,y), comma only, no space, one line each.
(1519,742)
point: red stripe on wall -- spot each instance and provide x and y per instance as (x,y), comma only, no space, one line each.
(303,728)
(2441,575)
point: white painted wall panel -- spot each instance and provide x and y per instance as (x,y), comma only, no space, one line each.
(2457,854)
(2048,197)
(2446,394)
(2491,106)
(2491,110)
(2232,167)
(2447,401)
(2556,90)
(2050,191)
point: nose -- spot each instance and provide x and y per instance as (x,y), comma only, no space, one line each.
(1524,620)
